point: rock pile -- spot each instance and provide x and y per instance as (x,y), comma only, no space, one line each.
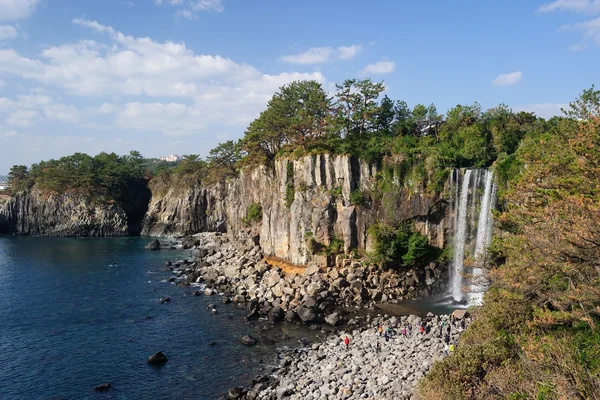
(236,268)
(329,370)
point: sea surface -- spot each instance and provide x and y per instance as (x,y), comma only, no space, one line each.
(75,313)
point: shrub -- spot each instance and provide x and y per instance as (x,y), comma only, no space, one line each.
(357,198)
(253,214)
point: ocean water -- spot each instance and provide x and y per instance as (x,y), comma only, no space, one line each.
(75,313)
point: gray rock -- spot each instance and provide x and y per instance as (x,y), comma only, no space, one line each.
(153,245)
(306,314)
(248,340)
(333,319)
(103,387)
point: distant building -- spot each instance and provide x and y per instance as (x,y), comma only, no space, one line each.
(3,185)
(171,158)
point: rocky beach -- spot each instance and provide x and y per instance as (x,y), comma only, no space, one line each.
(386,356)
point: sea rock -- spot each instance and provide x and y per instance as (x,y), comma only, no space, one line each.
(248,340)
(153,245)
(103,387)
(235,393)
(165,299)
(157,359)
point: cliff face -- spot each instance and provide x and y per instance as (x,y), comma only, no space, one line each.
(304,202)
(34,213)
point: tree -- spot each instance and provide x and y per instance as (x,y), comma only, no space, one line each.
(17,177)
(356,109)
(586,106)
(295,117)
(223,160)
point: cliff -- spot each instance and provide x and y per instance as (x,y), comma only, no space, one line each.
(34,212)
(305,202)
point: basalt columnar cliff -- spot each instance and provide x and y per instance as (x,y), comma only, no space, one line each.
(303,201)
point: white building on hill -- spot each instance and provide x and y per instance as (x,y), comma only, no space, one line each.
(171,158)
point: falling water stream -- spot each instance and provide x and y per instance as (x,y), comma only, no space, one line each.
(473,224)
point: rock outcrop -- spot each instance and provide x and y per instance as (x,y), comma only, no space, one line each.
(36,212)
(305,203)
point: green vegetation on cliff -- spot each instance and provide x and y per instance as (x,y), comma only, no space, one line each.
(105,176)
(537,335)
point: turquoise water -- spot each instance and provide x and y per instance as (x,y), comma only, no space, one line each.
(75,313)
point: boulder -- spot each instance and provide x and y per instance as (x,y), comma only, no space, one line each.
(157,359)
(103,387)
(276,314)
(248,340)
(311,269)
(189,242)
(165,299)
(208,292)
(291,315)
(460,314)
(235,393)
(333,319)
(153,245)
(306,314)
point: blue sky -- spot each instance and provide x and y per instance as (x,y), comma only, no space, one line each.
(180,76)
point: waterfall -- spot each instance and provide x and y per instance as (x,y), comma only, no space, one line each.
(473,225)
(460,239)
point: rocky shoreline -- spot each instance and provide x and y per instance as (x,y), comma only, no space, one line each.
(272,288)
(374,365)
(236,269)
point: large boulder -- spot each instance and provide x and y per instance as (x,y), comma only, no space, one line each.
(306,314)
(333,319)
(153,245)
(276,314)
(157,359)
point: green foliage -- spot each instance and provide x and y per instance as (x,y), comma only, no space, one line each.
(253,214)
(223,161)
(336,246)
(357,198)
(336,192)
(537,333)
(402,246)
(103,177)
(290,194)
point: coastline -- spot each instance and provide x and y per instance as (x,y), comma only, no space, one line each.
(236,272)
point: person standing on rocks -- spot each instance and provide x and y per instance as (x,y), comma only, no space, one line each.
(409,329)
(380,330)
(427,329)
(386,336)
(346,342)
(378,347)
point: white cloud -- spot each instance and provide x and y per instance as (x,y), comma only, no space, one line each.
(207,5)
(190,7)
(590,30)
(379,68)
(168,88)
(17,9)
(5,132)
(508,79)
(185,13)
(348,52)
(544,110)
(578,6)
(320,55)
(8,32)
(129,3)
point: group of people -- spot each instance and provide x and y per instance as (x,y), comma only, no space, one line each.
(424,329)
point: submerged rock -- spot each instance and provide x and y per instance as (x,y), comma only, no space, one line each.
(103,387)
